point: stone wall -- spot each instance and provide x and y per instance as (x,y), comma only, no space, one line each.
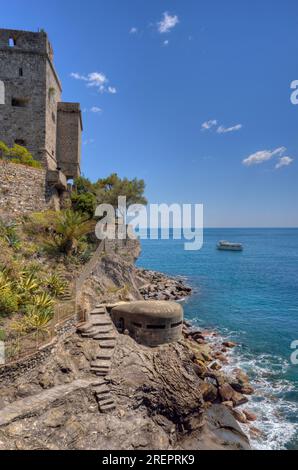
(69,129)
(24,189)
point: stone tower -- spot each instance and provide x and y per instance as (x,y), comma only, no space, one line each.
(31,111)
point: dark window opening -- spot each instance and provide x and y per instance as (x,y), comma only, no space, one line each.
(120,325)
(139,325)
(20,142)
(156,327)
(11,42)
(53,117)
(176,324)
(20,72)
(19,102)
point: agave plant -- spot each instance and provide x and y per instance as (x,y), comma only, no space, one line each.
(5,282)
(56,284)
(35,320)
(28,282)
(9,234)
(42,301)
(38,321)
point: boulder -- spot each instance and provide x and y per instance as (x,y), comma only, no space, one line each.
(250,415)
(239,416)
(226,392)
(209,392)
(229,344)
(238,399)
(228,404)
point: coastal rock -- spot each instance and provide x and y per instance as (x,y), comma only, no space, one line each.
(228,404)
(226,392)
(225,429)
(239,416)
(209,392)
(229,344)
(250,415)
(238,399)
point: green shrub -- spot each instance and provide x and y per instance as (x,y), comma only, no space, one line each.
(85,203)
(8,303)
(8,233)
(56,284)
(18,154)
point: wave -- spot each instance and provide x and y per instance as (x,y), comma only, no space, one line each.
(276,426)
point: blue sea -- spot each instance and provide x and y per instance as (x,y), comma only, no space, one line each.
(250,297)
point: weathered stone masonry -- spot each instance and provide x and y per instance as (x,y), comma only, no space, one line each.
(31,111)
(25,189)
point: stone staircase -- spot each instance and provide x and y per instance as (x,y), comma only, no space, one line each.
(100,328)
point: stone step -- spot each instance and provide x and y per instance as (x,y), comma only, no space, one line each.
(85,327)
(90,333)
(106,328)
(97,383)
(101,389)
(105,336)
(108,344)
(98,320)
(100,364)
(106,355)
(103,322)
(107,408)
(107,401)
(100,372)
(105,398)
(98,311)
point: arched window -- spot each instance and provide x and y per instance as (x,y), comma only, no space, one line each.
(2,93)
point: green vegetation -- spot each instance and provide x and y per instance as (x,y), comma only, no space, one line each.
(88,195)
(18,154)
(61,233)
(40,250)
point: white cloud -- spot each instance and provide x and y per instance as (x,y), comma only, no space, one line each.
(95,79)
(284,161)
(95,109)
(133,30)
(112,90)
(167,23)
(208,124)
(166,42)
(224,130)
(263,155)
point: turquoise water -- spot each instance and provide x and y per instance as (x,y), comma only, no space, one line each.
(251,297)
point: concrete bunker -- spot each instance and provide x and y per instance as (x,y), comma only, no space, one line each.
(150,322)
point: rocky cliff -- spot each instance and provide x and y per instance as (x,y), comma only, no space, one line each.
(168,397)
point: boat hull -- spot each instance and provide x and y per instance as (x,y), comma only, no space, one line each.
(229,248)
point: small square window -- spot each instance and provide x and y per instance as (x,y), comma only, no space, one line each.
(19,102)
(20,142)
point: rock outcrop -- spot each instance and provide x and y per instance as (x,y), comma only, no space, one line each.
(160,402)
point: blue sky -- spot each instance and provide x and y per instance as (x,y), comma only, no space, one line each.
(163,68)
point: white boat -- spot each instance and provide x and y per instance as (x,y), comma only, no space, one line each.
(224,245)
